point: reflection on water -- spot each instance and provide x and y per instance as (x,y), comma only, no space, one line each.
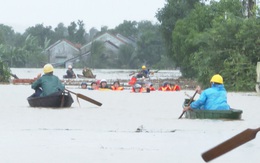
(101,73)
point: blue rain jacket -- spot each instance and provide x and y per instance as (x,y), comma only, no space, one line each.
(214,98)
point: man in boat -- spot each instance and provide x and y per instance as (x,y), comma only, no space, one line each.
(48,83)
(70,73)
(213,98)
(144,73)
(88,73)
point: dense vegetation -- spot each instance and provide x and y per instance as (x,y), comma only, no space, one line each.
(217,38)
(4,73)
(201,39)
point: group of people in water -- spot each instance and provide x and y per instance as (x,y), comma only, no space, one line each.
(213,98)
(138,87)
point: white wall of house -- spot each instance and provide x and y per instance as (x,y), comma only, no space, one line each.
(61,52)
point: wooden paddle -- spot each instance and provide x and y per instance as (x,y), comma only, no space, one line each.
(132,73)
(85,98)
(191,99)
(230,144)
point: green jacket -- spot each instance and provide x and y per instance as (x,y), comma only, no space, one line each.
(49,84)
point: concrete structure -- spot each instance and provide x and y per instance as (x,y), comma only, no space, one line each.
(61,51)
(64,53)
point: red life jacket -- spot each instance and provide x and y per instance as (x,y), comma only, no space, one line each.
(132,81)
(152,88)
(176,88)
(140,90)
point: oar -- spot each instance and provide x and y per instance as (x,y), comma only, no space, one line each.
(191,99)
(85,98)
(132,73)
(230,144)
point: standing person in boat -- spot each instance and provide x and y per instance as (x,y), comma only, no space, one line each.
(213,98)
(70,73)
(48,83)
(88,73)
(144,73)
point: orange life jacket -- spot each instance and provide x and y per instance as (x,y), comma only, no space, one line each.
(167,88)
(117,89)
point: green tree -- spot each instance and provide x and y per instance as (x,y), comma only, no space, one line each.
(149,43)
(7,35)
(40,33)
(127,29)
(77,33)
(126,56)
(218,39)
(4,72)
(61,32)
(173,11)
(97,58)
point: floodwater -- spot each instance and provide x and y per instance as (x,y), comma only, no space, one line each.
(128,127)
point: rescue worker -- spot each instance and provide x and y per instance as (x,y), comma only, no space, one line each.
(144,73)
(48,83)
(213,98)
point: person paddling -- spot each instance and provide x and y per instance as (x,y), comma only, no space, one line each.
(213,98)
(48,83)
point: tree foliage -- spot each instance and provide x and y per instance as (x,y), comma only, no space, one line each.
(218,39)
(168,16)
(4,72)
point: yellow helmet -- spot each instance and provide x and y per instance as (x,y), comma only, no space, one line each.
(217,79)
(47,68)
(143,67)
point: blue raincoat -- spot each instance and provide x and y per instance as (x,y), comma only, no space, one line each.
(214,98)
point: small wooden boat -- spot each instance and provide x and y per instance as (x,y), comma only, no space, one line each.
(234,114)
(66,77)
(55,100)
(82,76)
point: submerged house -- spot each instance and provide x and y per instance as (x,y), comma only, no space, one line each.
(63,53)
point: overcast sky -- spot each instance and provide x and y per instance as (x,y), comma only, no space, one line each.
(21,14)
